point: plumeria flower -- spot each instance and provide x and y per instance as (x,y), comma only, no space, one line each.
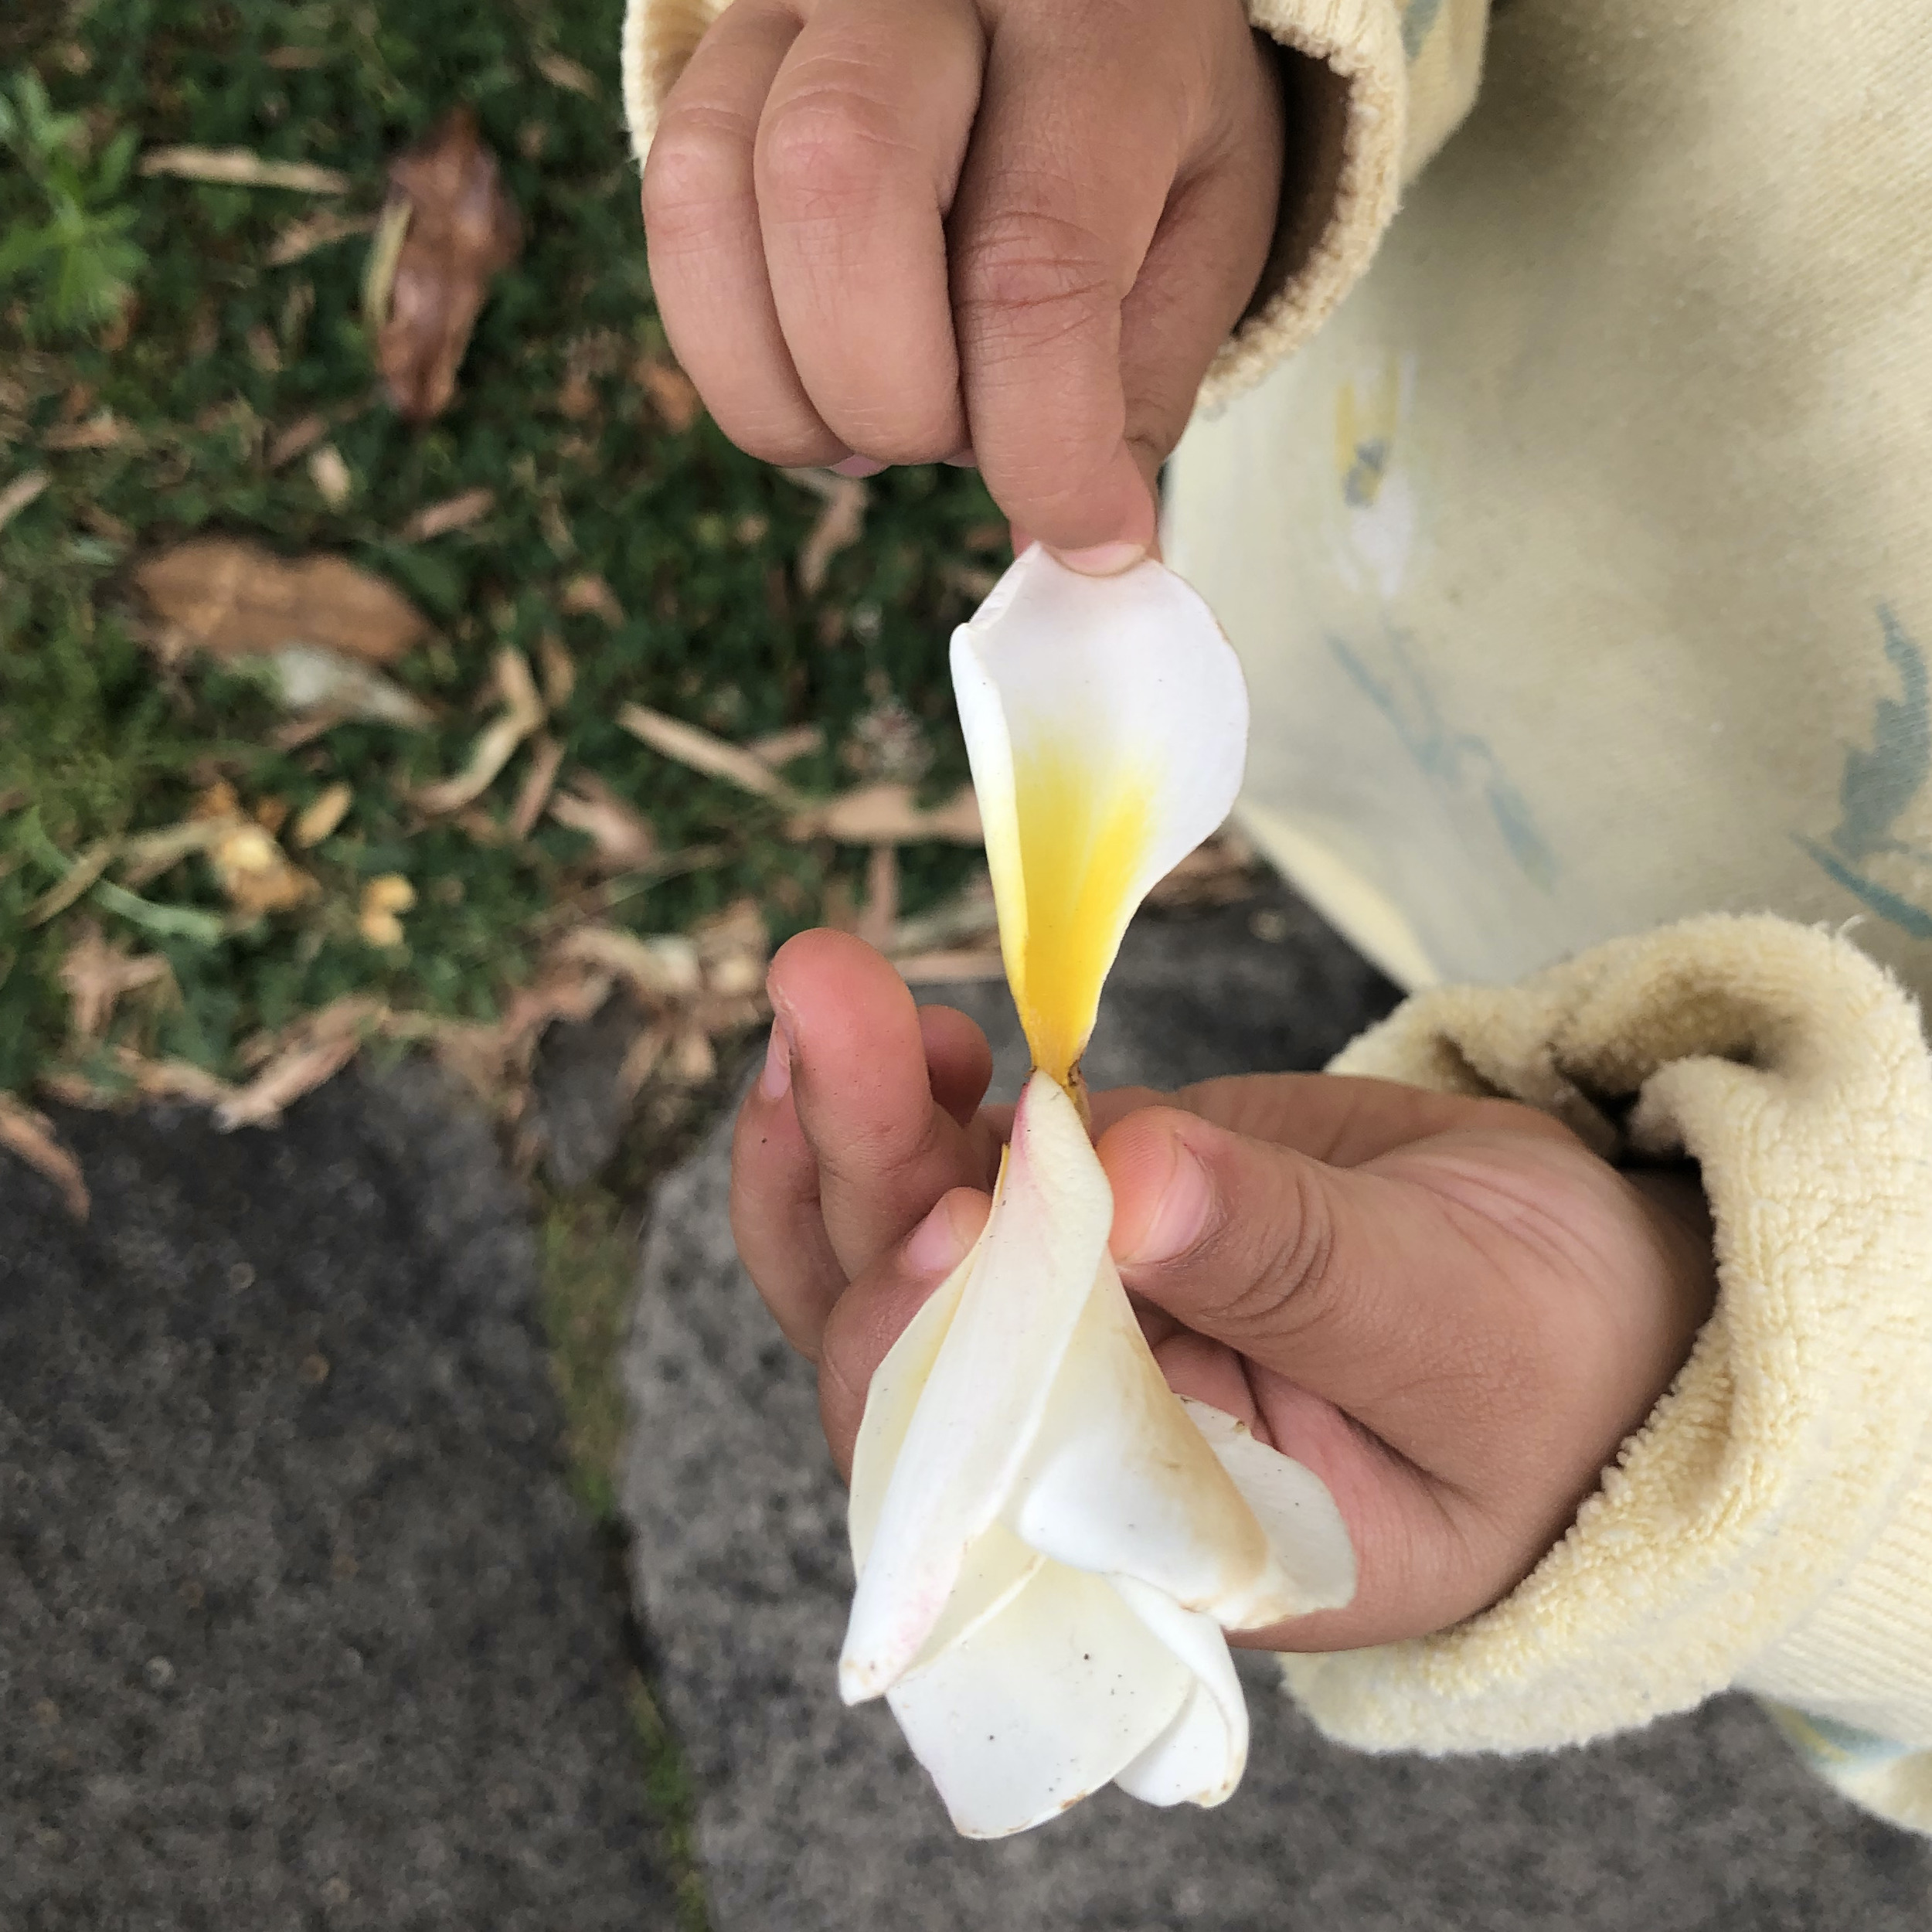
(1050,1543)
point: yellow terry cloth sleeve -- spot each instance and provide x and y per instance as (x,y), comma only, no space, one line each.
(1770,1526)
(1371,89)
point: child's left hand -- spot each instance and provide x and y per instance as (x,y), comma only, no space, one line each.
(1448,1308)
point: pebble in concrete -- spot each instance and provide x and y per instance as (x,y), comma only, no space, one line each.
(813,1818)
(299,1626)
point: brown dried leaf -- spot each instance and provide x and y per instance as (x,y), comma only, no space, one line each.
(97,975)
(30,1134)
(290,1074)
(780,747)
(562,72)
(840,524)
(379,919)
(732,946)
(301,434)
(103,430)
(322,814)
(322,685)
(588,596)
(663,970)
(330,474)
(672,393)
(144,858)
(623,838)
(936,968)
(236,599)
(255,871)
(693,1060)
(671,738)
(880,919)
(523,713)
(317,231)
(463,229)
(237,168)
(559,669)
(172,1079)
(20,493)
(453,513)
(887,815)
(640,1062)
(534,794)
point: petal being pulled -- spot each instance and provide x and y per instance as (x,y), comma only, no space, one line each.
(1019,1296)
(1106,721)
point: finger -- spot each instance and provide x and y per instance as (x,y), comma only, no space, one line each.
(886,1151)
(706,253)
(1052,222)
(858,155)
(959,1062)
(873,1313)
(1200,269)
(775,1220)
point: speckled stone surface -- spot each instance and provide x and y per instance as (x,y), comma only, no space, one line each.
(813,1818)
(299,1626)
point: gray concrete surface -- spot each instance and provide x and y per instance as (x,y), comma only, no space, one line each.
(299,1628)
(812,1818)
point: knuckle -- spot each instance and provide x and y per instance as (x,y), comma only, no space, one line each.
(1292,1278)
(692,175)
(1030,277)
(827,150)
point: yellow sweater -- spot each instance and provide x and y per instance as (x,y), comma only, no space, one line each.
(1580,559)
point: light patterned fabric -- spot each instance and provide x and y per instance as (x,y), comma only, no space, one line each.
(1582,569)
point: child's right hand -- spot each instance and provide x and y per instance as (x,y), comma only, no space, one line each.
(1448,1308)
(1012,232)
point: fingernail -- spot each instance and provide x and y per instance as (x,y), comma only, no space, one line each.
(963,459)
(856,466)
(775,1082)
(937,1245)
(1103,559)
(1180,1217)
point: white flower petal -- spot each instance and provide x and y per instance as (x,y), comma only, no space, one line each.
(1107,723)
(897,1384)
(1199,1758)
(1119,1480)
(1040,1705)
(1292,1504)
(976,1416)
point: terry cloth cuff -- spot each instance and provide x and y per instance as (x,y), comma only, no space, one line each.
(1770,1526)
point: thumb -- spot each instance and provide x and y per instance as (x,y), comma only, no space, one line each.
(1365,1289)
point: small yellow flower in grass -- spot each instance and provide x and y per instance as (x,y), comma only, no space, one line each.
(383,900)
(1050,1543)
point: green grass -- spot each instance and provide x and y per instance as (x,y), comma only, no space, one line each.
(697,541)
(101,736)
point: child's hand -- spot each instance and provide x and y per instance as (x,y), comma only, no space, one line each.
(1014,230)
(1448,1308)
